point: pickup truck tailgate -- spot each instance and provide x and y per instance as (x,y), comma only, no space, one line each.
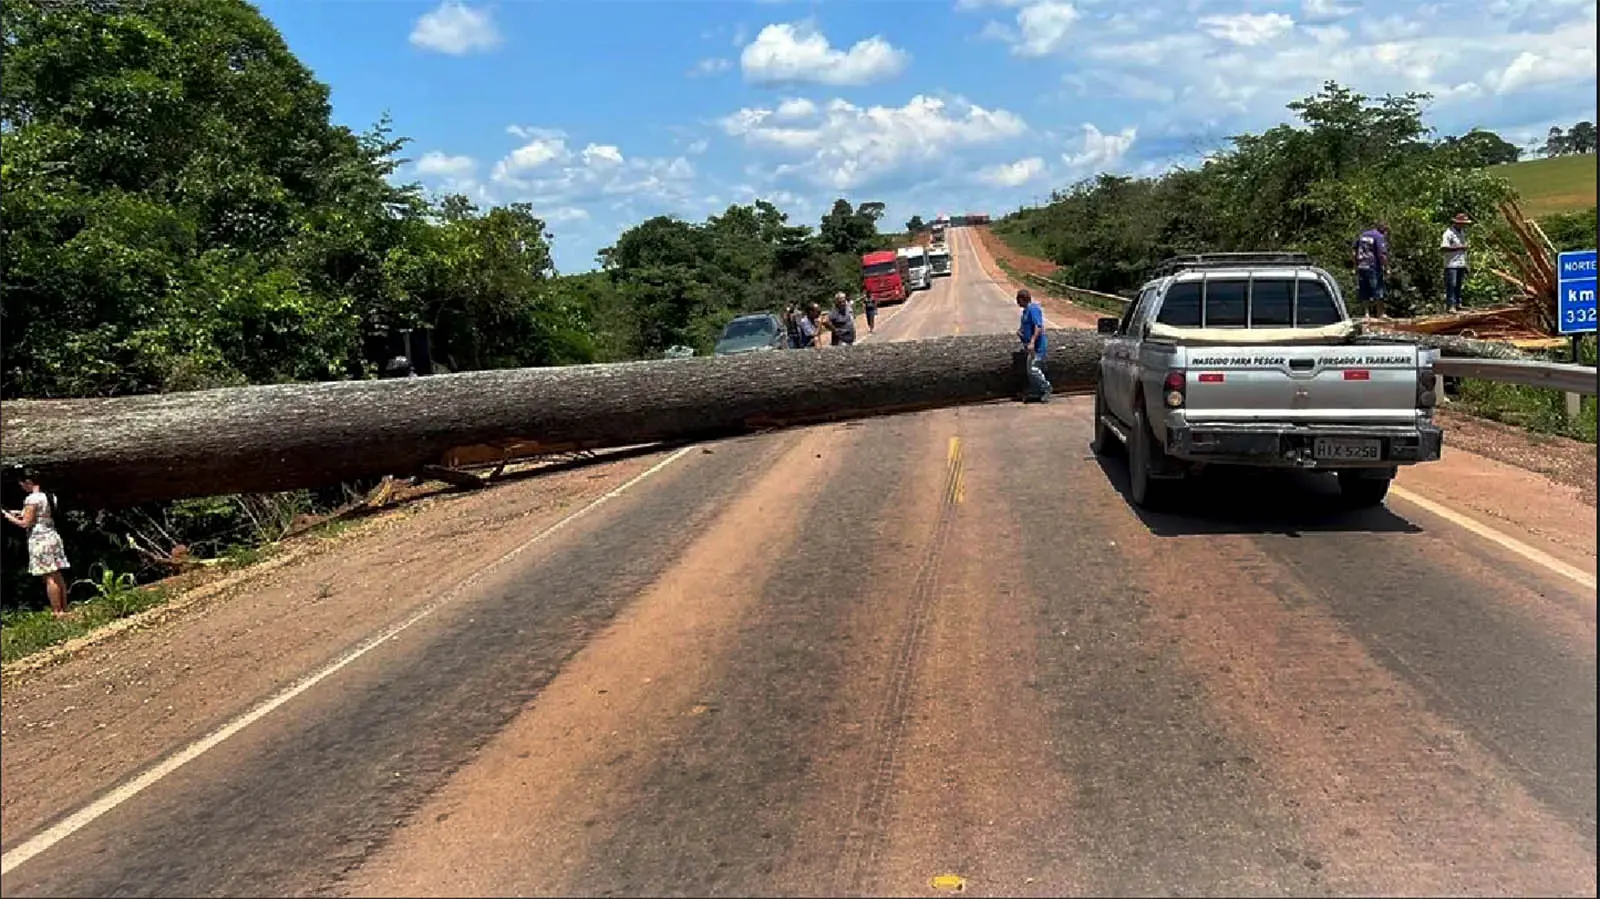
(1307,384)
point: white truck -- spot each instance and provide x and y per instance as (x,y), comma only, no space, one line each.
(939,260)
(917,273)
(1250,359)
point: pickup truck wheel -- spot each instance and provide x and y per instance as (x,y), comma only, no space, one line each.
(1362,493)
(1145,491)
(1105,443)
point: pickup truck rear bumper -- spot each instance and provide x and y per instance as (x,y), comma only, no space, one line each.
(1265,444)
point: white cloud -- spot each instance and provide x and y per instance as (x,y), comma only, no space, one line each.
(1012,174)
(714,65)
(792,53)
(1248,29)
(601,154)
(799,108)
(531,155)
(1323,10)
(848,146)
(696,147)
(441,164)
(456,29)
(529,132)
(1238,72)
(1099,150)
(1531,68)
(1043,27)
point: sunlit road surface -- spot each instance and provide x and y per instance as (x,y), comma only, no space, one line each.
(903,656)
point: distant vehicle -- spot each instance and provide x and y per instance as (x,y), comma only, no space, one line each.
(939,260)
(938,228)
(752,333)
(883,277)
(916,258)
(1250,359)
(678,351)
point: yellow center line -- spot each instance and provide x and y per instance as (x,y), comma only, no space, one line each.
(955,473)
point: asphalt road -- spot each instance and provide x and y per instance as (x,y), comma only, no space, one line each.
(853,659)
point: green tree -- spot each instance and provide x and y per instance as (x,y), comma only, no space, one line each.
(1555,142)
(916,225)
(1478,148)
(1581,139)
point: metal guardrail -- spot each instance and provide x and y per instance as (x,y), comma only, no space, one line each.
(1554,375)
(1083,291)
(1580,379)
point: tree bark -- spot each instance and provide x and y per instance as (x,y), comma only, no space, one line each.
(1449,344)
(124,450)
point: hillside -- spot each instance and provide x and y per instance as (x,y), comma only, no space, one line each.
(1554,185)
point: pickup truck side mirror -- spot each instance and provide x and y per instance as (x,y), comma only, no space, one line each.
(1107,325)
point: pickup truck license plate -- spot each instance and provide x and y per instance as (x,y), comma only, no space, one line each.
(1347,448)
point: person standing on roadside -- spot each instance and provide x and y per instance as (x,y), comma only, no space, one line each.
(808,326)
(47,555)
(1454,247)
(841,324)
(791,325)
(871,306)
(1372,262)
(1035,344)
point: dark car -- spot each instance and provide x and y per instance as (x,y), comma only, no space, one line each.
(751,333)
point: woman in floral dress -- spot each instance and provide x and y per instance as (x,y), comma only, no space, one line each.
(47,555)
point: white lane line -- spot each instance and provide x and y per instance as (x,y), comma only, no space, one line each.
(86,815)
(1538,557)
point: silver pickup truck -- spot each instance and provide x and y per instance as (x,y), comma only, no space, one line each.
(1250,359)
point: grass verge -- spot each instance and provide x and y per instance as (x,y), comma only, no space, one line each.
(23,633)
(1535,408)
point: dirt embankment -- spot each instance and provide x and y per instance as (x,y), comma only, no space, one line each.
(992,250)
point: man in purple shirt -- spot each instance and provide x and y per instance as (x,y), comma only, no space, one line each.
(1372,261)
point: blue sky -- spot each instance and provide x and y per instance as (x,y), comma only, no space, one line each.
(602,113)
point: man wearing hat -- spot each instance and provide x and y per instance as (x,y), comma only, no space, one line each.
(1454,247)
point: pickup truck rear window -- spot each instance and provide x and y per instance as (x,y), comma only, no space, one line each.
(1270,304)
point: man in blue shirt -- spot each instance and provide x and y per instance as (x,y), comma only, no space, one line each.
(1035,344)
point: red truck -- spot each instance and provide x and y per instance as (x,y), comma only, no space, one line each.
(882,277)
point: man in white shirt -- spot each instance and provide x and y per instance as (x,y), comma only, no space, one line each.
(1454,247)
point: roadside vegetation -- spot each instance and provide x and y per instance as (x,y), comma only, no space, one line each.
(1348,162)
(181,213)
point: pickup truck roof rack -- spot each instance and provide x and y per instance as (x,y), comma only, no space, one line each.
(1227,260)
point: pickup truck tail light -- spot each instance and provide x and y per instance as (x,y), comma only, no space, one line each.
(1172,389)
(1427,398)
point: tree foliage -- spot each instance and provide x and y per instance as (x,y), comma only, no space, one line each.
(180,212)
(677,283)
(1349,162)
(1579,139)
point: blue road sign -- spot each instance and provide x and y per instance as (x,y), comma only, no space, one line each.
(1575,278)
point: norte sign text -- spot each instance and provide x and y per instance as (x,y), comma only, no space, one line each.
(1575,285)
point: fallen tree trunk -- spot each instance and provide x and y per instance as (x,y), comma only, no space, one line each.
(1448,344)
(126,450)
